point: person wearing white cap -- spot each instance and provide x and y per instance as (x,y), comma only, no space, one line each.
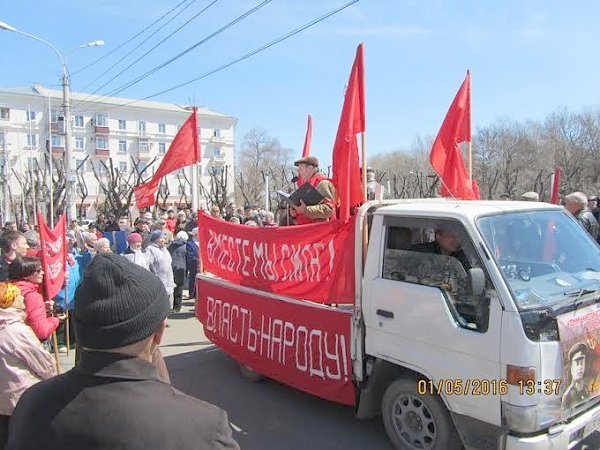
(530,196)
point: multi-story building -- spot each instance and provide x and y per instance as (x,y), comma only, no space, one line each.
(129,134)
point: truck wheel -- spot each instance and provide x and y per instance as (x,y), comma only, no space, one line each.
(414,421)
(250,374)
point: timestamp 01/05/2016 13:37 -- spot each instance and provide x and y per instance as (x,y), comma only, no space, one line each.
(482,386)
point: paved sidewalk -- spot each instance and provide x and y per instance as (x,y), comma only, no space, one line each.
(184,334)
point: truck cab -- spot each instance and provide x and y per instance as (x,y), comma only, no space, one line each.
(456,328)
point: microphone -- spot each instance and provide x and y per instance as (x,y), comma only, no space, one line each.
(294,179)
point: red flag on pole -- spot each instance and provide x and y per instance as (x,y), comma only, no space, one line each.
(183,151)
(54,255)
(446,157)
(308,138)
(555,185)
(346,168)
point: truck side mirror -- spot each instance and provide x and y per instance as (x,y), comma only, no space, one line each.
(477,281)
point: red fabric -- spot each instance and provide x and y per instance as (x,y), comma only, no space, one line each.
(35,309)
(313,262)
(308,138)
(346,168)
(555,186)
(183,151)
(306,347)
(171,224)
(54,255)
(446,157)
(314,181)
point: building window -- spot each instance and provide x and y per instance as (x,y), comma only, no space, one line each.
(123,167)
(101,120)
(79,121)
(217,171)
(5,113)
(162,128)
(79,143)
(217,152)
(122,124)
(57,140)
(216,133)
(162,148)
(2,140)
(122,146)
(181,190)
(142,126)
(100,168)
(32,140)
(144,146)
(31,163)
(142,166)
(101,143)
(30,115)
(79,164)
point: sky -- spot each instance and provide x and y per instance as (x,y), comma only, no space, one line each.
(527,59)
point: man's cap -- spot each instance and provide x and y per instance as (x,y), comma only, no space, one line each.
(156,234)
(580,347)
(148,215)
(247,207)
(533,196)
(134,237)
(310,160)
(118,303)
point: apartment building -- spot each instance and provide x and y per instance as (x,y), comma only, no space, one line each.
(126,133)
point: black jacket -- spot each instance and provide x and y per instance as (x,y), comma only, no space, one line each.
(589,222)
(177,249)
(115,401)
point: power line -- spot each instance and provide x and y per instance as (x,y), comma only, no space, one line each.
(138,46)
(157,45)
(130,39)
(246,56)
(189,49)
(258,50)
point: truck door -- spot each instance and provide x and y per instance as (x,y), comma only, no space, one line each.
(421,312)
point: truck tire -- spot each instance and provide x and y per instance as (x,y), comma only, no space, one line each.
(414,421)
(250,374)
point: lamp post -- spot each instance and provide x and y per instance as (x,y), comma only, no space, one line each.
(66,86)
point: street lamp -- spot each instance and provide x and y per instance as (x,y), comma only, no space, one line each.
(66,85)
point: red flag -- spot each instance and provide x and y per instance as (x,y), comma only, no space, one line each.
(54,254)
(308,138)
(346,169)
(183,151)
(446,157)
(555,185)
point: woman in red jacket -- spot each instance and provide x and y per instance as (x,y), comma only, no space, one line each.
(27,273)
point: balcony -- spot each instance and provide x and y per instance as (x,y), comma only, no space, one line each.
(217,139)
(54,127)
(58,150)
(103,152)
(101,130)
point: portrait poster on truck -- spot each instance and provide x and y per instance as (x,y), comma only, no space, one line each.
(304,346)
(312,262)
(580,340)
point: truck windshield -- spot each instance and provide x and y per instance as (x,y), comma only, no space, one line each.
(545,256)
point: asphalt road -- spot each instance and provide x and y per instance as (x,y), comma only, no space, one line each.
(267,415)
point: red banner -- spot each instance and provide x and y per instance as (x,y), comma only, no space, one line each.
(313,262)
(306,347)
(54,255)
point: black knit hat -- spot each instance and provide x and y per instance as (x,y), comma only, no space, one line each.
(118,303)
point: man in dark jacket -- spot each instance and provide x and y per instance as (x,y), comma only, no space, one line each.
(114,397)
(13,244)
(191,259)
(178,251)
(576,204)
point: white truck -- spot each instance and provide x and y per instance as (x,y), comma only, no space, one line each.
(475,324)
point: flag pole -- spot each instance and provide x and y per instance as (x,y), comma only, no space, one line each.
(363,145)
(55,345)
(470,144)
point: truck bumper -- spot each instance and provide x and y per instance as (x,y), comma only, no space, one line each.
(561,437)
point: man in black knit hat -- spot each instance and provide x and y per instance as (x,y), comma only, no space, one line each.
(114,397)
